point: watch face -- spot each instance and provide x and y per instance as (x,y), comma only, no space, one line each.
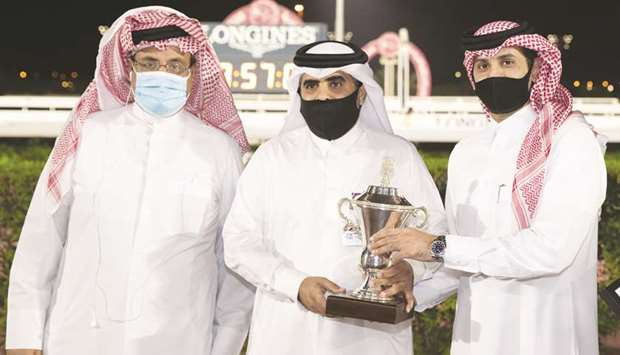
(438,247)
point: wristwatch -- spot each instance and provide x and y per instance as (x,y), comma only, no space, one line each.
(438,248)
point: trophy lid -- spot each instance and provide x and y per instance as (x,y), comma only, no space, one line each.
(384,195)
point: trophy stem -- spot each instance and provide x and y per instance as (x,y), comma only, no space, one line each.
(368,291)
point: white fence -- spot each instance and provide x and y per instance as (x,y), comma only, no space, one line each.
(424,119)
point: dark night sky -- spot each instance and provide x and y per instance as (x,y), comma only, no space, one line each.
(42,35)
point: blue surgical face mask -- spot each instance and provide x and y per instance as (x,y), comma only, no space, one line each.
(159,93)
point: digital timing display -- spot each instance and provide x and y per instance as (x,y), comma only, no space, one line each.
(258,59)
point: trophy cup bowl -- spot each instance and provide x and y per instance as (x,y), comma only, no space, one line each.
(380,207)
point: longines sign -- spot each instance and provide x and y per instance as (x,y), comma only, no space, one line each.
(258,40)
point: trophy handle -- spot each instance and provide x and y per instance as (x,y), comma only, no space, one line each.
(420,211)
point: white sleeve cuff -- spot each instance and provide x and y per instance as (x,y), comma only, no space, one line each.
(462,253)
(422,270)
(24,329)
(433,291)
(287,281)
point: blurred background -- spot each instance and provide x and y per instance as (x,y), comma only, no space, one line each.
(48,50)
(52,40)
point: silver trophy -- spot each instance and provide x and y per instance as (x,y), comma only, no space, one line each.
(380,207)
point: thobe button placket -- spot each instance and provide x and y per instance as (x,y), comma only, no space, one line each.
(144,212)
(331,172)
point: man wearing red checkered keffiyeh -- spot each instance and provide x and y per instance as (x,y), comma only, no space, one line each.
(522,202)
(121,251)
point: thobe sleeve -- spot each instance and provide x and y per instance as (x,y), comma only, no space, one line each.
(35,265)
(235,296)
(423,192)
(249,251)
(431,292)
(573,191)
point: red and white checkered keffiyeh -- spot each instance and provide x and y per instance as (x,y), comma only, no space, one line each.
(549,99)
(210,98)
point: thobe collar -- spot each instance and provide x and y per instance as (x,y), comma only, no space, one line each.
(154,122)
(324,146)
(513,129)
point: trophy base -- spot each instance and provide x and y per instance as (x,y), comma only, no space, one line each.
(349,306)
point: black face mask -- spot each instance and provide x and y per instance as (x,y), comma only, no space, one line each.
(504,95)
(331,119)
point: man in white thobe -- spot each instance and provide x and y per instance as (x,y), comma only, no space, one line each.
(283,233)
(121,250)
(522,202)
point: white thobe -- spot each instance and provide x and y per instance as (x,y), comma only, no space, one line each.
(132,261)
(284,226)
(529,291)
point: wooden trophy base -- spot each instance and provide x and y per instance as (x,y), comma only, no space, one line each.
(352,307)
